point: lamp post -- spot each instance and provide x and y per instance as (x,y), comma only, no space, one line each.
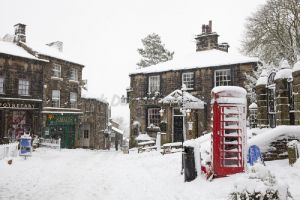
(183,110)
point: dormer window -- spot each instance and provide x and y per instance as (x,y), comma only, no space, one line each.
(56,71)
(74,75)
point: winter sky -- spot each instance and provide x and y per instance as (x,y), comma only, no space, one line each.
(104,34)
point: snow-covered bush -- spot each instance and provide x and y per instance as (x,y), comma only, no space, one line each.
(264,187)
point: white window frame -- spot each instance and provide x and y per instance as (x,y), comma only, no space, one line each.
(23,89)
(154,84)
(1,85)
(223,73)
(74,74)
(153,116)
(56,71)
(188,79)
(73,99)
(56,98)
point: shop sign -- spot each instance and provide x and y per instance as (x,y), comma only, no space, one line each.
(15,105)
(58,119)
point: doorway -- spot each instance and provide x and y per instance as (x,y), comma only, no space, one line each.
(177,125)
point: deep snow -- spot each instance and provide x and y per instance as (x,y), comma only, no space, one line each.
(86,174)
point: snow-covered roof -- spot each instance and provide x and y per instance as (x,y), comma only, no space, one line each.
(11,48)
(52,52)
(117,130)
(200,59)
(143,137)
(190,101)
(231,91)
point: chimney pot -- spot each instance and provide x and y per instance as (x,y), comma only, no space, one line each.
(20,32)
(203,28)
(210,26)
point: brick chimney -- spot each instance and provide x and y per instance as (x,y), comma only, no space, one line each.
(207,39)
(20,33)
(57,45)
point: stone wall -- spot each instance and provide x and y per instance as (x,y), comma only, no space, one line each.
(278,149)
(262,106)
(95,118)
(12,69)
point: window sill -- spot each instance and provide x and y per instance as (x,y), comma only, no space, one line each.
(56,78)
(24,95)
(73,81)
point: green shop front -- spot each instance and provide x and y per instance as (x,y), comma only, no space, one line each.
(63,126)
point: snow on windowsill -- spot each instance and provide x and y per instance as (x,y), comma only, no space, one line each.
(73,81)
(56,78)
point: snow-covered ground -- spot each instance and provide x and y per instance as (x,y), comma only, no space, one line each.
(86,174)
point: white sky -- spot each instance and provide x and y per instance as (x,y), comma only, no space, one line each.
(105,34)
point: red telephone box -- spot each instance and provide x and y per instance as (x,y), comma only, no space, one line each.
(229,130)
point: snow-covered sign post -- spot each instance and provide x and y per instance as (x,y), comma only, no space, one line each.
(229,130)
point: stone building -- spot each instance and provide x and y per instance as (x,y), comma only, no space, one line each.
(56,80)
(21,91)
(156,95)
(278,96)
(116,135)
(93,124)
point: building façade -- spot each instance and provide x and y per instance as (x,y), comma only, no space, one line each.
(156,95)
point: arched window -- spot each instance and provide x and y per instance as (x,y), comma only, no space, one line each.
(271,100)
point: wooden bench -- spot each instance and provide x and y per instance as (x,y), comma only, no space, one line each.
(146,146)
(172,147)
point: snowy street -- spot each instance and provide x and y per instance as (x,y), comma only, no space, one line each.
(86,174)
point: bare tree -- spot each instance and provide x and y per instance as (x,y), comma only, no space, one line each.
(273,32)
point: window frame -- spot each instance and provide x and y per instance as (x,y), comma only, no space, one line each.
(73,101)
(153,112)
(151,85)
(56,99)
(229,82)
(74,74)
(86,133)
(55,70)
(190,82)
(23,87)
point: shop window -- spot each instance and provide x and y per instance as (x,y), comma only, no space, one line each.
(56,98)
(154,84)
(1,85)
(188,80)
(56,71)
(222,77)
(153,116)
(74,75)
(23,87)
(73,99)
(86,134)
